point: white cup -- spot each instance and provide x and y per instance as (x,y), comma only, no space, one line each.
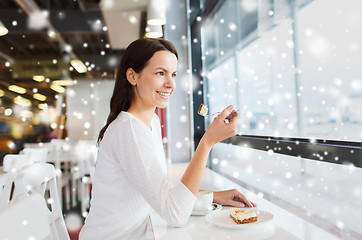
(203,201)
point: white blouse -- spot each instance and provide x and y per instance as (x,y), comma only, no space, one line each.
(130,179)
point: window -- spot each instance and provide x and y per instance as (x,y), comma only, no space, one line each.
(330,72)
(267,96)
(295,80)
(292,70)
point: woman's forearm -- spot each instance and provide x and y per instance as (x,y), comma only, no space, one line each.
(193,174)
(217,131)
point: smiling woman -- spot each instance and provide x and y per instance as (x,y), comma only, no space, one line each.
(130,178)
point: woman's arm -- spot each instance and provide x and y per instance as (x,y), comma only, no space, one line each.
(223,126)
(193,173)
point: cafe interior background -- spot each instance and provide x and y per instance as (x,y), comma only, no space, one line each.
(291,67)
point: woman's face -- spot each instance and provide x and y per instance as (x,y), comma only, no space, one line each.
(155,84)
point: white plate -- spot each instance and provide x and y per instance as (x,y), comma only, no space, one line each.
(215,207)
(222,219)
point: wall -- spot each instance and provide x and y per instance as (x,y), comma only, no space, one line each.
(88,108)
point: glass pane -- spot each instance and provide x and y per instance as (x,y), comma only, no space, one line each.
(330,69)
(226,21)
(267,86)
(209,47)
(248,17)
(220,34)
(222,77)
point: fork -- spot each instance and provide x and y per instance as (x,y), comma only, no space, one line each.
(209,115)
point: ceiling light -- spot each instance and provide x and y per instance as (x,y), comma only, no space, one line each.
(156,12)
(57,88)
(8,112)
(39,97)
(51,33)
(3,29)
(78,65)
(38,78)
(26,114)
(22,101)
(17,89)
(43,106)
(68,48)
(64,80)
(68,82)
(2,93)
(38,19)
(154,31)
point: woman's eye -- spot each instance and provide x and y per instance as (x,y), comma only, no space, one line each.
(160,73)
(174,75)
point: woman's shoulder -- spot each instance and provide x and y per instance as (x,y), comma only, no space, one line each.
(124,119)
(126,122)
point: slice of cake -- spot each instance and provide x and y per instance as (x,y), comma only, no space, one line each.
(241,215)
(203,110)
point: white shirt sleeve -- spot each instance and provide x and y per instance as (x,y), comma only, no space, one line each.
(139,162)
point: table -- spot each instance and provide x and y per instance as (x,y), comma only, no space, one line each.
(285,225)
(2,176)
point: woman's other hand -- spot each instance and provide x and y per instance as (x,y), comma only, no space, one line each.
(223,126)
(232,198)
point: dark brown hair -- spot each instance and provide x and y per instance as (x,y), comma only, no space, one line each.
(136,56)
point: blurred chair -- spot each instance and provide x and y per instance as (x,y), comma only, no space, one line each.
(64,177)
(25,219)
(83,172)
(13,163)
(54,155)
(36,155)
(35,179)
(38,145)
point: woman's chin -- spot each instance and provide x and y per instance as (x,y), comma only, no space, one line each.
(162,105)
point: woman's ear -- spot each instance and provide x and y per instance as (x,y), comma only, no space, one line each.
(131,76)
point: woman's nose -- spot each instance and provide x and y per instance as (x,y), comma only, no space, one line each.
(170,82)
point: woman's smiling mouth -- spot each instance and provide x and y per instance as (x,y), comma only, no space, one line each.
(164,95)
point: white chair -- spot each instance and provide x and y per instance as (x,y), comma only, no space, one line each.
(51,152)
(39,153)
(60,147)
(12,165)
(25,219)
(38,145)
(34,179)
(87,155)
(36,155)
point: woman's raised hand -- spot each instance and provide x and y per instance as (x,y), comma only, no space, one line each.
(223,126)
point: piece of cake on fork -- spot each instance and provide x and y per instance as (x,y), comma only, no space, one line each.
(242,216)
(203,110)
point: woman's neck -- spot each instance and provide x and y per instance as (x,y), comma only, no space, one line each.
(145,115)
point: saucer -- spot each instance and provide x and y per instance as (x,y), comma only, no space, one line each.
(214,208)
(222,219)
